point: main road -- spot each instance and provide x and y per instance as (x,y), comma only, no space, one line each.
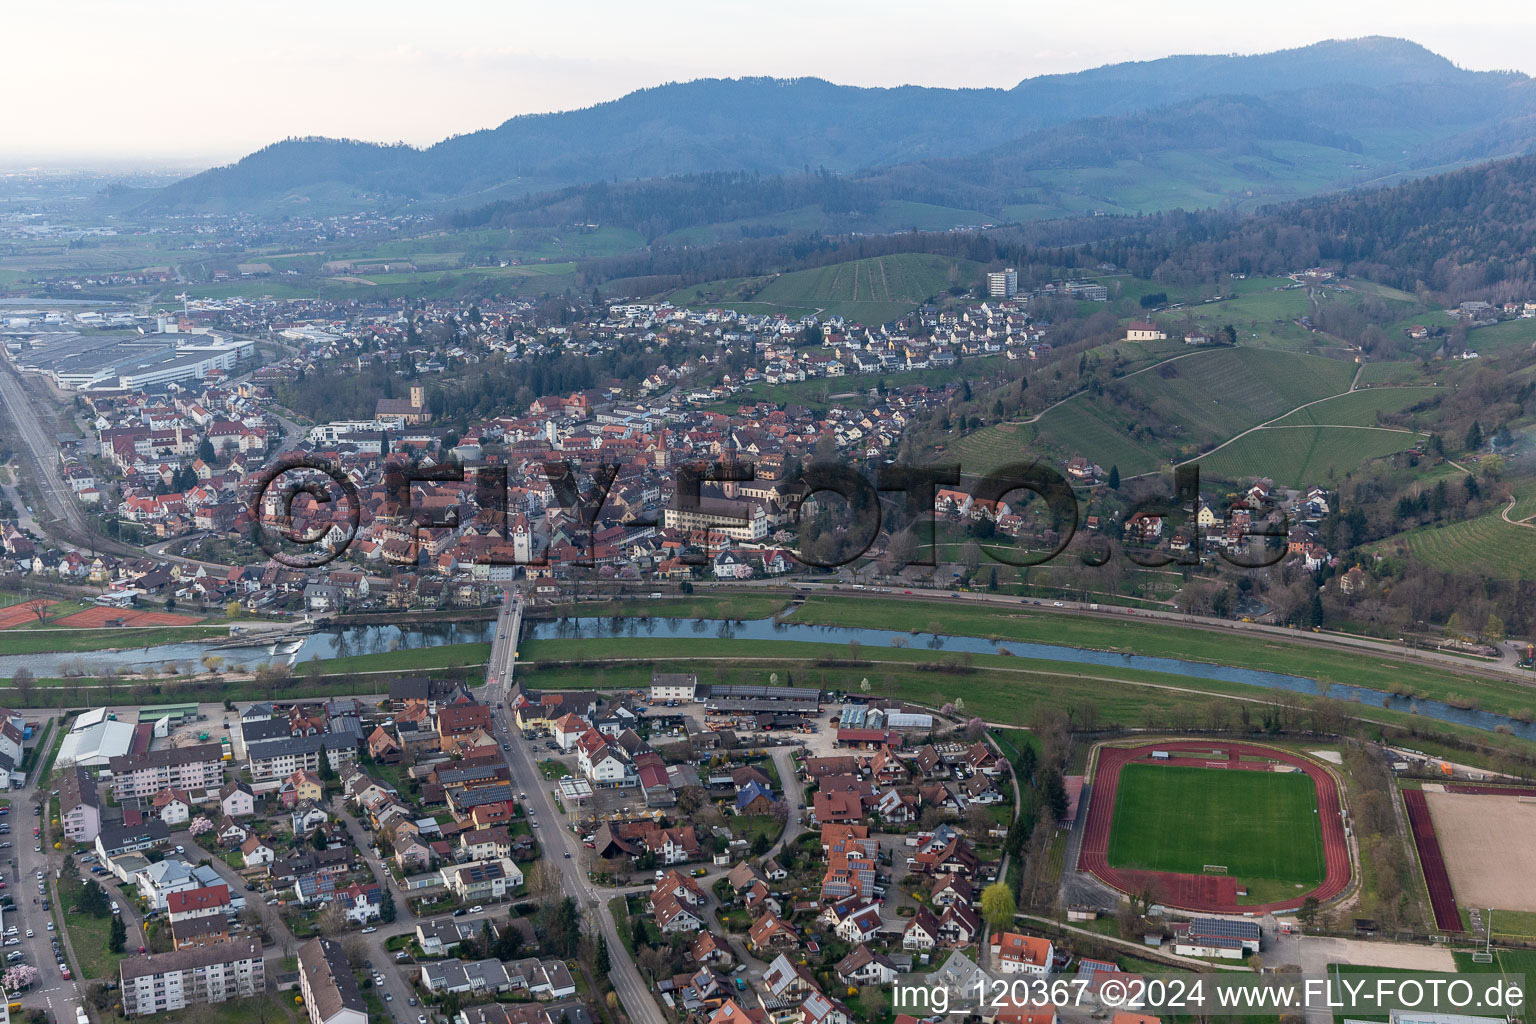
(561,853)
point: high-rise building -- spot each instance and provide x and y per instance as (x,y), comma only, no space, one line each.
(1003,284)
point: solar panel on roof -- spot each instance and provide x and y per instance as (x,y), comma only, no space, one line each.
(1224,928)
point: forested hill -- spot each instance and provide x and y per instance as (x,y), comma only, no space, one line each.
(772,126)
(1465,234)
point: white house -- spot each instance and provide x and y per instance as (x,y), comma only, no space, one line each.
(256,852)
(860,926)
(173,806)
(237,799)
(1013,953)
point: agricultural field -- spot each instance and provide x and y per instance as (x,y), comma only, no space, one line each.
(1503,338)
(1359,408)
(1260,825)
(993,446)
(1220,393)
(1400,372)
(1091,428)
(1280,301)
(869,291)
(1485,546)
(1299,456)
(1186,405)
(889,217)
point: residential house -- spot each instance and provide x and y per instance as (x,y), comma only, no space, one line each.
(1013,953)
(79,804)
(237,799)
(865,967)
(479,880)
(330,991)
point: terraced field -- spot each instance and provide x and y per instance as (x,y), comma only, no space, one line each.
(1485,546)
(1221,393)
(1524,490)
(1359,408)
(1193,404)
(1299,456)
(1093,429)
(871,290)
(993,446)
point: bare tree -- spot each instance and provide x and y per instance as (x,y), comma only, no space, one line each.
(332,920)
(24,682)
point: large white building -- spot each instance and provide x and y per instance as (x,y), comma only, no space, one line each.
(1003,284)
(740,519)
(195,975)
(94,740)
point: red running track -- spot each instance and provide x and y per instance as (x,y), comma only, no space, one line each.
(1209,893)
(1442,898)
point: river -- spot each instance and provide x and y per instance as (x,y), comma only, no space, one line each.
(323,644)
(767,629)
(354,640)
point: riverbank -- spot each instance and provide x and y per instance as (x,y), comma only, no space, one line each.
(61,640)
(1381,672)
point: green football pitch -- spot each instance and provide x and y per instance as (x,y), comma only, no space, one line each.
(1260,826)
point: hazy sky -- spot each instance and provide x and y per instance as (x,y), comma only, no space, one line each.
(161,81)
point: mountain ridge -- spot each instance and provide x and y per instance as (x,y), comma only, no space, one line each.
(778,126)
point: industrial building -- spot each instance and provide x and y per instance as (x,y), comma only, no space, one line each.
(94,740)
(82,362)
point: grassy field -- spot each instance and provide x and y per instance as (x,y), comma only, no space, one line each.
(444,656)
(700,606)
(1094,429)
(1485,546)
(269,1008)
(1404,372)
(1502,338)
(45,641)
(1185,406)
(1505,961)
(89,936)
(1300,456)
(1218,647)
(997,688)
(1513,925)
(1262,825)
(870,290)
(1360,408)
